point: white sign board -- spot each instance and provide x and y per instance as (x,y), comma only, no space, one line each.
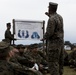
(29,30)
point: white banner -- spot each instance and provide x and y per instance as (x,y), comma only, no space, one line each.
(29,30)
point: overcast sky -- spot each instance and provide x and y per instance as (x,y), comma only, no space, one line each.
(34,10)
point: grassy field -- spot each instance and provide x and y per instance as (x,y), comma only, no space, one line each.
(68,71)
(68,51)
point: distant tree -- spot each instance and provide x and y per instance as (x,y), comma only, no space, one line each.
(70,44)
(67,43)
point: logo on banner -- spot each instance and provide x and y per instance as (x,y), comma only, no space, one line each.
(35,35)
(25,34)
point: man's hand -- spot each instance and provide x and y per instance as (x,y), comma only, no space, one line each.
(46,13)
(42,39)
(15,39)
(31,69)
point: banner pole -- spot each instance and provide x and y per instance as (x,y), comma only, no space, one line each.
(13,29)
(43,34)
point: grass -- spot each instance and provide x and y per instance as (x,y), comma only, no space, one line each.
(69,71)
(68,51)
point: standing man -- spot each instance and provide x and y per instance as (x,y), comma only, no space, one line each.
(55,40)
(8,36)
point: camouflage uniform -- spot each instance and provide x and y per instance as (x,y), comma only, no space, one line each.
(5,68)
(8,36)
(66,61)
(23,58)
(39,60)
(54,36)
(22,64)
(10,68)
(72,59)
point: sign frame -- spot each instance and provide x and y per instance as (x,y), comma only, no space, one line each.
(16,20)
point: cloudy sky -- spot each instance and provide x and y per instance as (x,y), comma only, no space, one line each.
(34,10)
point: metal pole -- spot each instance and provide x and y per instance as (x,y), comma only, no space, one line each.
(13,29)
(43,34)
